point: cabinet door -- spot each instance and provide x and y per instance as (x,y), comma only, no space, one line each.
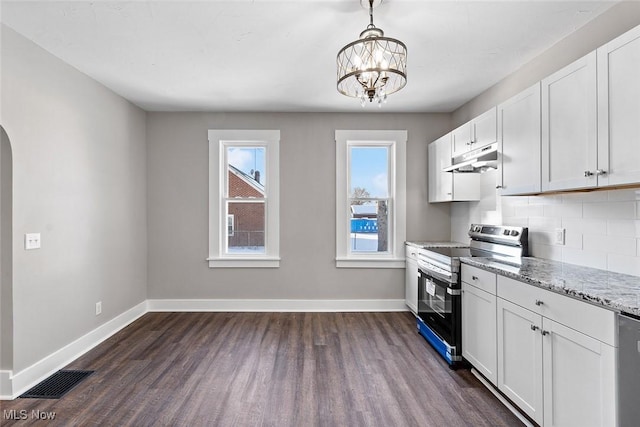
(569,137)
(461,139)
(520,357)
(411,285)
(484,129)
(479,330)
(520,143)
(579,378)
(619,110)
(440,183)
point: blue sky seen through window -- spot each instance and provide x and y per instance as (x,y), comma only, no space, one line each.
(248,160)
(369,170)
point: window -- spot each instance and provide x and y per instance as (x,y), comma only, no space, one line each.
(243,198)
(370,198)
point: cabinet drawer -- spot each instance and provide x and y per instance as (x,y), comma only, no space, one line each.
(596,322)
(479,278)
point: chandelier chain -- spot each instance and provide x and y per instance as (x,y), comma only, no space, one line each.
(371,25)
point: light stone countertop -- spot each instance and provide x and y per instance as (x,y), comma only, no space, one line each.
(620,292)
(437,244)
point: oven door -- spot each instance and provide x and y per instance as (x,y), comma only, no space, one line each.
(439,306)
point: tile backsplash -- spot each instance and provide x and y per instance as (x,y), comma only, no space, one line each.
(602,228)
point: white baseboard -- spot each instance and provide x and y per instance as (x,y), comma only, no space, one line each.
(12,386)
(275,305)
(5,385)
(28,377)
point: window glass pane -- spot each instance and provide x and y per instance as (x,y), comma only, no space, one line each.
(369,172)
(248,228)
(246,171)
(369,226)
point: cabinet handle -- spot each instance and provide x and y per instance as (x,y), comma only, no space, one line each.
(544,333)
(449,194)
(534,328)
(587,174)
(539,303)
(474,277)
(498,187)
(601,172)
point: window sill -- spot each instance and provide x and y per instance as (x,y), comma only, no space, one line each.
(245,262)
(370,263)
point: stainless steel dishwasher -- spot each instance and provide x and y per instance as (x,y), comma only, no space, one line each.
(629,370)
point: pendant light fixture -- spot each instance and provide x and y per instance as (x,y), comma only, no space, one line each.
(373,66)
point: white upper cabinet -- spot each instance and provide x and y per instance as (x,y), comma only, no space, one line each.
(448,186)
(484,129)
(619,110)
(461,139)
(591,119)
(569,127)
(440,183)
(519,143)
(477,133)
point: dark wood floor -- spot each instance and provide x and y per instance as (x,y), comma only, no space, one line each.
(271,369)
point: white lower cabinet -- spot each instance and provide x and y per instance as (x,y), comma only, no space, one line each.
(555,357)
(479,320)
(479,330)
(411,279)
(520,357)
(579,378)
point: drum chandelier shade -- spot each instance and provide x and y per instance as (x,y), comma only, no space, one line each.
(373,66)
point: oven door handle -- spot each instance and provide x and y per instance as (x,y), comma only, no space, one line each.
(424,269)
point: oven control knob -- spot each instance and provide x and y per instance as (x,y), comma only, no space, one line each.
(505,232)
(514,232)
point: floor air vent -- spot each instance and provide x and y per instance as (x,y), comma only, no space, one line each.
(57,385)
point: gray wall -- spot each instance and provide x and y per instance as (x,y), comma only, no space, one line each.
(78,179)
(615,21)
(6,297)
(177,166)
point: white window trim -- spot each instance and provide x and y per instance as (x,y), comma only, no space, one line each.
(397,140)
(218,141)
(233,225)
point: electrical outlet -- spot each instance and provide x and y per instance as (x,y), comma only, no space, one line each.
(98,308)
(560,236)
(31,241)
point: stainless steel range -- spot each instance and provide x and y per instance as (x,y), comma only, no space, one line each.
(439,294)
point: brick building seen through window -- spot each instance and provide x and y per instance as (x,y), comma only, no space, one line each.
(247,224)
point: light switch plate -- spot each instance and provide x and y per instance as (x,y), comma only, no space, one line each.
(32,241)
(559,236)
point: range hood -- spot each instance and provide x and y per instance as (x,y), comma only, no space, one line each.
(476,160)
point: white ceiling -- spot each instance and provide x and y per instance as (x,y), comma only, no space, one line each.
(279,55)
